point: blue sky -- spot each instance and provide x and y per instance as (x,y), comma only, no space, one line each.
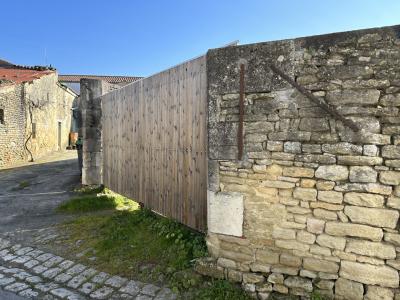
(123,37)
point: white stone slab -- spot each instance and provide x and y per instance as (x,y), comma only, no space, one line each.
(225,213)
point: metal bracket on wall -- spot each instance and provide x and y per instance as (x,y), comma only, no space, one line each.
(322,104)
(241,113)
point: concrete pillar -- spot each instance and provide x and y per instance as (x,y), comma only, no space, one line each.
(90,107)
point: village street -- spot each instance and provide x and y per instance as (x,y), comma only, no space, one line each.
(29,193)
(29,196)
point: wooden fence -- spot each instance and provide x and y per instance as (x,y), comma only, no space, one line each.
(155,142)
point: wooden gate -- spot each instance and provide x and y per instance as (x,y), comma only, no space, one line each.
(155,142)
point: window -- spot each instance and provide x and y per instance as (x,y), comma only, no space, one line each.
(1,116)
(34,130)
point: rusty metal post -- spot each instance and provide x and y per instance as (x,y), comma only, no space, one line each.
(325,106)
(241,113)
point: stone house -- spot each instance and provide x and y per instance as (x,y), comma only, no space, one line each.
(35,113)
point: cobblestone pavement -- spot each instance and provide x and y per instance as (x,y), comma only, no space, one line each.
(33,273)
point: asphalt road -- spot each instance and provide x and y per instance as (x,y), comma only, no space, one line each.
(29,194)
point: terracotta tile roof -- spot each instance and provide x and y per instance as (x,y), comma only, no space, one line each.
(109,79)
(11,74)
(5,64)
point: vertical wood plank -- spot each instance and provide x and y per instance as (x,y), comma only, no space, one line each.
(155,142)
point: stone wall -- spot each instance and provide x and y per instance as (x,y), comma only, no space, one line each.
(42,102)
(12,131)
(312,205)
(90,130)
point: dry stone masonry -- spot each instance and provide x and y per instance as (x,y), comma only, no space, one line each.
(313,205)
(13,137)
(34,274)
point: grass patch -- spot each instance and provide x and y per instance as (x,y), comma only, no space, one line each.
(88,202)
(138,244)
(222,290)
(90,190)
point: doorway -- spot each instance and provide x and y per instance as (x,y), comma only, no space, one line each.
(59,136)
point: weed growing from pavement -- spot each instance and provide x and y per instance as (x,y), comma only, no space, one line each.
(139,244)
(222,290)
(22,185)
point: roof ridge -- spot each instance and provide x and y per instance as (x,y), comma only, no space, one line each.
(114,79)
(81,75)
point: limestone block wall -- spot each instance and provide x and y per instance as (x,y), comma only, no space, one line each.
(312,205)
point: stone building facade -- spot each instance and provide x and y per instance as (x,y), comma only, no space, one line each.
(312,205)
(36,114)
